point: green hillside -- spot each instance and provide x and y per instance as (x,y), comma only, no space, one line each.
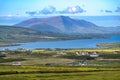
(109,45)
(17,34)
(11,34)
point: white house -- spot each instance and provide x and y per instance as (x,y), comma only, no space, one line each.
(94,54)
(16,63)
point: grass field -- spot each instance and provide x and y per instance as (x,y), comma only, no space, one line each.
(82,49)
(58,73)
(46,64)
(109,75)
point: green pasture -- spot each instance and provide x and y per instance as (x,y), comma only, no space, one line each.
(58,73)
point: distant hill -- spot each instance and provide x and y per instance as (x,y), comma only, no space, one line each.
(13,34)
(19,34)
(64,24)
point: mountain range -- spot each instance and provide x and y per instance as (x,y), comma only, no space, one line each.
(54,28)
(65,24)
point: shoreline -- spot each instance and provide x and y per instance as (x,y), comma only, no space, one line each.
(8,44)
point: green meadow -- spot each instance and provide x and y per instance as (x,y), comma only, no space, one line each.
(58,73)
(60,64)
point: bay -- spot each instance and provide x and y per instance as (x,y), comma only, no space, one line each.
(81,43)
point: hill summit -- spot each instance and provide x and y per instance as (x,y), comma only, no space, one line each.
(62,24)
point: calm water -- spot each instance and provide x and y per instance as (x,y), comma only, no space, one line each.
(82,43)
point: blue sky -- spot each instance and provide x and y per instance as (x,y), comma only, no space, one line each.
(59,7)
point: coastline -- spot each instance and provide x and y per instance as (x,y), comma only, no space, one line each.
(2,44)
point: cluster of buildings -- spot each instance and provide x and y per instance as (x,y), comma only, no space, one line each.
(91,54)
(81,53)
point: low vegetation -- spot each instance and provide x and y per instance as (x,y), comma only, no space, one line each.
(57,73)
(56,64)
(109,45)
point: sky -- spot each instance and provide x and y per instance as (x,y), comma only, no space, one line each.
(59,7)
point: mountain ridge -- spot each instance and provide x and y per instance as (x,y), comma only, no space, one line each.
(65,24)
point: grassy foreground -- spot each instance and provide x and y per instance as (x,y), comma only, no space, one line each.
(65,76)
(58,73)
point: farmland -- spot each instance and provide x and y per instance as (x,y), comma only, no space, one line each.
(57,73)
(60,56)
(57,64)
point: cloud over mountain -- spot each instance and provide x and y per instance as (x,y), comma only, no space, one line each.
(52,10)
(108,11)
(31,13)
(48,10)
(118,9)
(73,10)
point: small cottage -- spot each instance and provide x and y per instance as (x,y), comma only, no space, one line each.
(16,63)
(94,54)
